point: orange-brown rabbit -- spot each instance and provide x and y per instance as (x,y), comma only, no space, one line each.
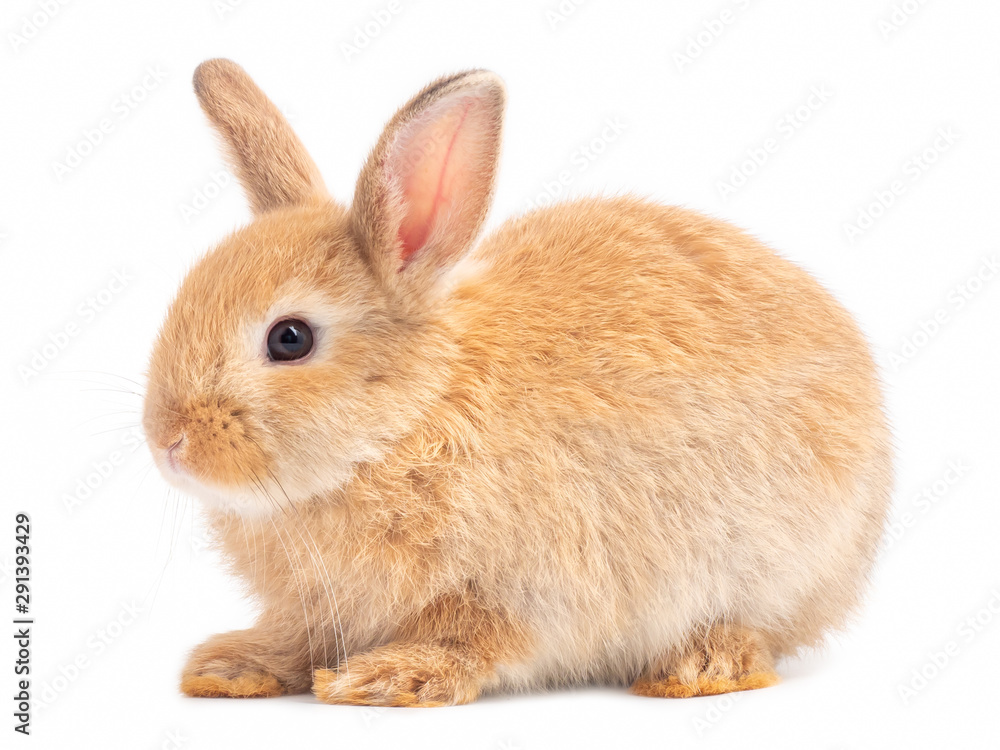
(613,441)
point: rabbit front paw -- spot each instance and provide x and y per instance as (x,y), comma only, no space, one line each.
(401,675)
(244,685)
(240,665)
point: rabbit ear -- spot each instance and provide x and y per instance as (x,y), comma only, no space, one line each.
(424,193)
(268,157)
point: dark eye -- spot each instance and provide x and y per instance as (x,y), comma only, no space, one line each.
(289,339)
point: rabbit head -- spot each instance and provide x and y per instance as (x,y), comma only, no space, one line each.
(305,342)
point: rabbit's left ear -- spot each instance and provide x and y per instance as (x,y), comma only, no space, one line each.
(270,161)
(425,191)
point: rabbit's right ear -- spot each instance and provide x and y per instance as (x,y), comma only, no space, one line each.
(270,161)
(424,193)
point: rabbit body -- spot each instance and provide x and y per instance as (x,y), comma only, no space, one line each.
(617,442)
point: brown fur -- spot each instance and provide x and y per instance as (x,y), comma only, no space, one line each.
(615,441)
(442,655)
(265,152)
(723,660)
(243,685)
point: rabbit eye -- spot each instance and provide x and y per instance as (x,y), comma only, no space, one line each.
(289,339)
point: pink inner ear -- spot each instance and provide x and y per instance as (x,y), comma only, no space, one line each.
(431,160)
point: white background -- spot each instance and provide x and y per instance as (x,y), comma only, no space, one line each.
(128,206)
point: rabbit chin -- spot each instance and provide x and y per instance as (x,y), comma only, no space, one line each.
(269,497)
(248,502)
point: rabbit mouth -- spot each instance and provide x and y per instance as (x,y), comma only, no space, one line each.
(171,456)
(179,468)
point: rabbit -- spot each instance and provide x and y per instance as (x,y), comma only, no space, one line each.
(612,442)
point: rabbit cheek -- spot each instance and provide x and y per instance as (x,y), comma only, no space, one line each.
(229,459)
(221,447)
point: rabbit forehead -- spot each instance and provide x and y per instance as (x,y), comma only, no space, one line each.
(290,261)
